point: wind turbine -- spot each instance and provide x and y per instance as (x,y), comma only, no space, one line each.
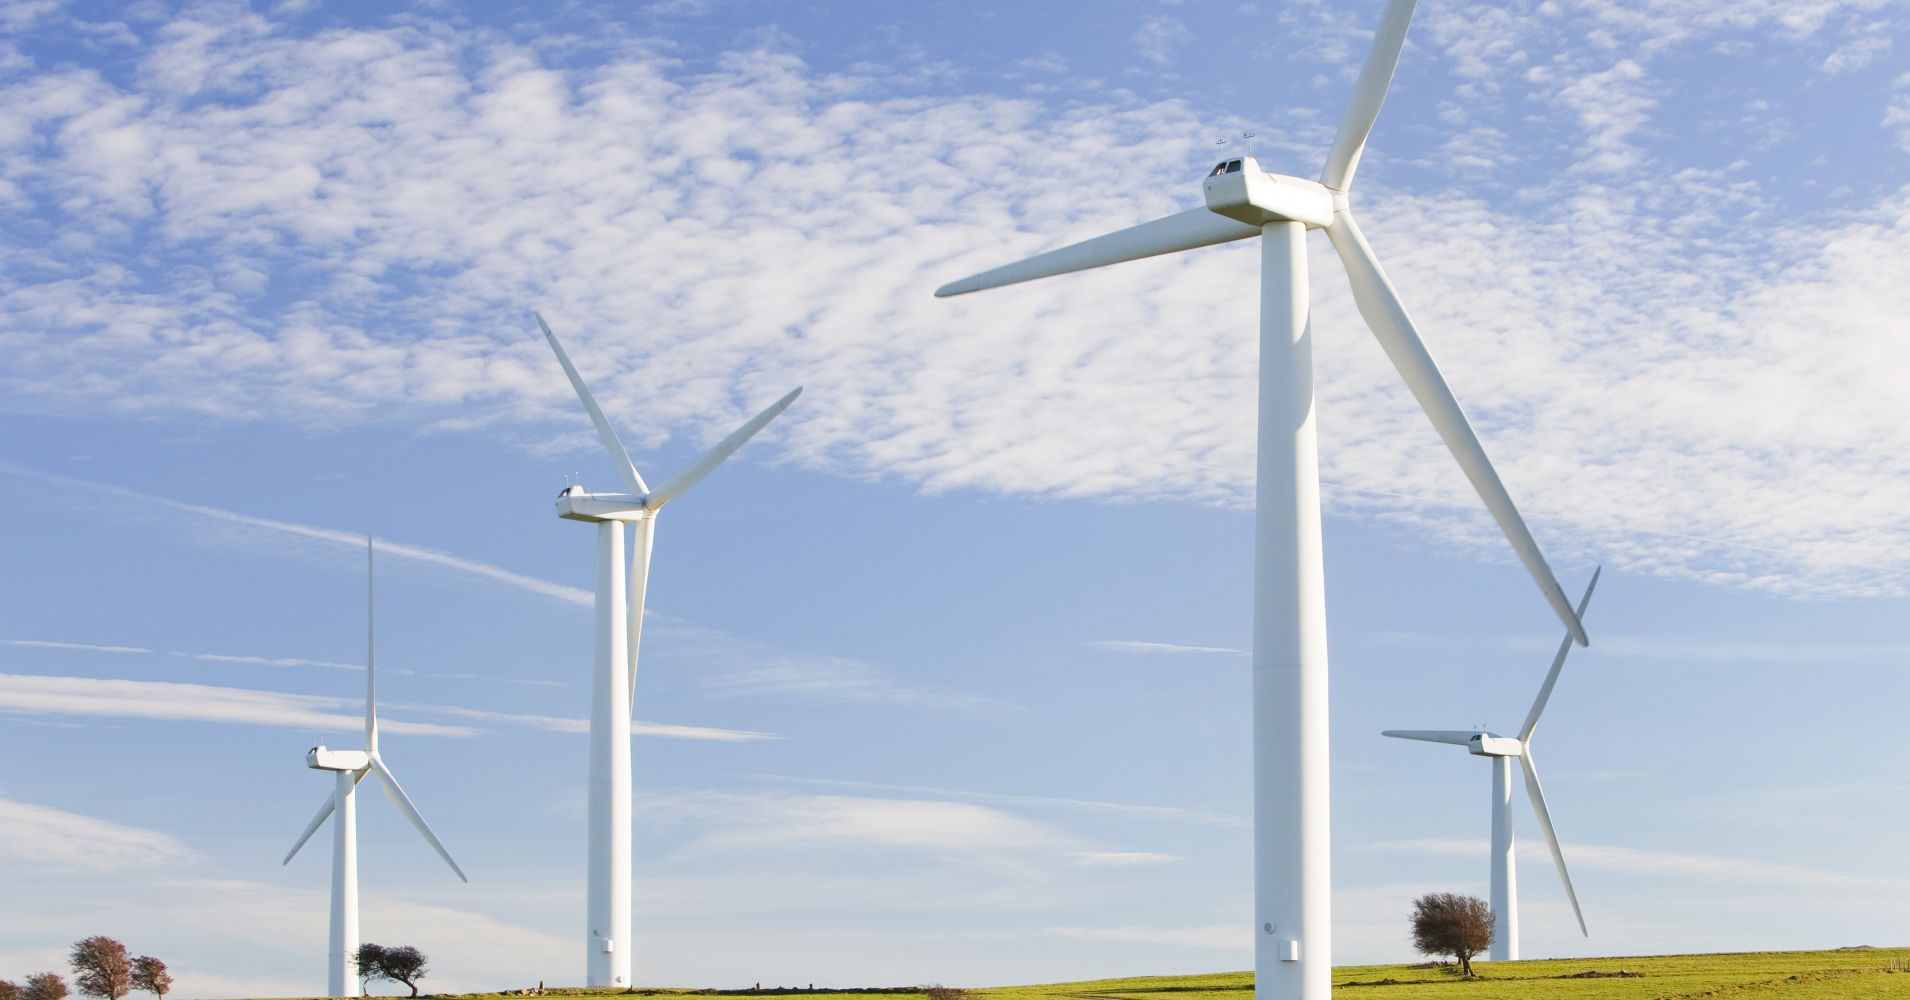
(1500,750)
(348,768)
(1292,932)
(619,626)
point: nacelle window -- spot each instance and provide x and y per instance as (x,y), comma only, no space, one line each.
(1226,167)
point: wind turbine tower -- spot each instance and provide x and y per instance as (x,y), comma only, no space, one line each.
(1500,750)
(1292,933)
(621,587)
(348,768)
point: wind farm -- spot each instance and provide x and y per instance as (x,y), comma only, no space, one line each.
(998,651)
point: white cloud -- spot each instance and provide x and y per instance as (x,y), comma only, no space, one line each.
(1125,859)
(1159,36)
(830,678)
(43,835)
(418,553)
(734,666)
(760,822)
(82,646)
(1135,646)
(1680,649)
(271,661)
(1639,404)
(1668,863)
(121,699)
(1856,54)
(1130,809)
(564,724)
(1225,936)
(33,695)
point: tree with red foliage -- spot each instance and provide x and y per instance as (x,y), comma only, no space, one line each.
(44,986)
(150,974)
(102,968)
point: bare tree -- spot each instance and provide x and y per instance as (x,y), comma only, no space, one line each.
(1446,923)
(400,964)
(150,974)
(102,968)
(9,990)
(44,986)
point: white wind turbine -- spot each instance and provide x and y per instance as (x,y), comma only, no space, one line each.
(348,768)
(619,626)
(1292,933)
(1500,750)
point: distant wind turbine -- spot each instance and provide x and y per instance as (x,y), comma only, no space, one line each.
(349,767)
(619,626)
(1292,902)
(1500,750)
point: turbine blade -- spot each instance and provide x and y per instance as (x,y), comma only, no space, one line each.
(1558,662)
(1368,94)
(1452,736)
(645,530)
(1537,795)
(324,813)
(715,456)
(1379,304)
(618,456)
(371,657)
(403,802)
(1196,227)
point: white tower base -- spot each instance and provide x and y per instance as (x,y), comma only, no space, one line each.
(1293,944)
(341,977)
(1505,872)
(608,889)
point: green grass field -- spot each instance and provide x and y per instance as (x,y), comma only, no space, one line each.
(1803,975)
(1793,975)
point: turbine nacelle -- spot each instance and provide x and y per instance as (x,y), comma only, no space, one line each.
(1240,190)
(1488,745)
(323,758)
(577,505)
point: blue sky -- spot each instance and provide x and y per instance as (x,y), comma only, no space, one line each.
(942,679)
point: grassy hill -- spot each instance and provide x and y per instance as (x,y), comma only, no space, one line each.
(1846,974)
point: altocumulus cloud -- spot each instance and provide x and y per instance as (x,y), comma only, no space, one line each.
(708,239)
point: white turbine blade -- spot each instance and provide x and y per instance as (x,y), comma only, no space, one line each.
(1379,304)
(1196,227)
(1452,736)
(1368,94)
(645,531)
(1537,795)
(1558,662)
(618,456)
(371,659)
(403,801)
(324,813)
(715,456)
